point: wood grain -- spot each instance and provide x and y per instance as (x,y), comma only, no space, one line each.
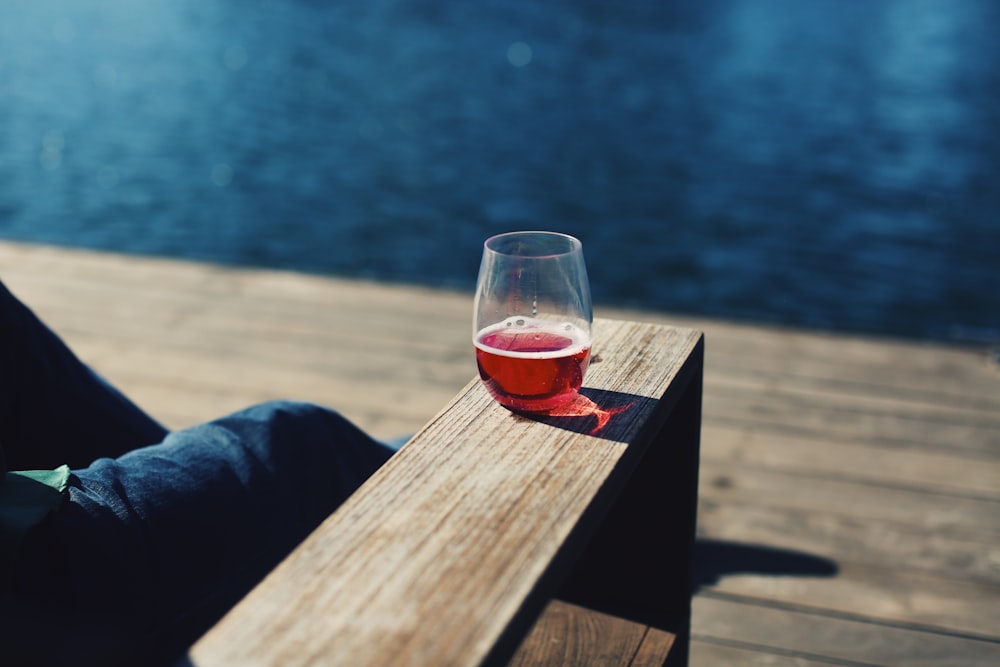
(433,559)
(567,634)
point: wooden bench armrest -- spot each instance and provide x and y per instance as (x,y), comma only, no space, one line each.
(447,555)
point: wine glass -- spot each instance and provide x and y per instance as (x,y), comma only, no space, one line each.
(532,319)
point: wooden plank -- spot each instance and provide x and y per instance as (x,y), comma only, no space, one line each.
(887,545)
(795,574)
(183,388)
(956,374)
(179,405)
(239,367)
(833,639)
(450,503)
(205,323)
(636,561)
(975,435)
(860,364)
(716,652)
(656,648)
(853,358)
(822,455)
(959,517)
(269,318)
(192,342)
(845,397)
(567,635)
(973,375)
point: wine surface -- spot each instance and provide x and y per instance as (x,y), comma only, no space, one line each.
(532,365)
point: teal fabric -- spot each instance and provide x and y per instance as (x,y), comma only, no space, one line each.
(26,497)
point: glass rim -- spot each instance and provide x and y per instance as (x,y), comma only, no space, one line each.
(574,244)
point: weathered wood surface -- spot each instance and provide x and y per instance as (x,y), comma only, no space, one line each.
(621,642)
(453,541)
(850,488)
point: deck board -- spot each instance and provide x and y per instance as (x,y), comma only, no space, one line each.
(850,489)
(837,639)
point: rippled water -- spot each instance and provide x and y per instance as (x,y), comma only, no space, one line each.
(829,164)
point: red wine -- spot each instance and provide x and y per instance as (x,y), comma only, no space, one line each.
(532,365)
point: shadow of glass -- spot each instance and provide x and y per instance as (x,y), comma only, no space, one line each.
(715,559)
(605,414)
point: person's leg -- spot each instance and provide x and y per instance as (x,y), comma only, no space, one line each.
(153,547)
(53,409)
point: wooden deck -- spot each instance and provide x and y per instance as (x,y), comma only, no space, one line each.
(850,489)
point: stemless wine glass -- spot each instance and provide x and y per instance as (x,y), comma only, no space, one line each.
(532,319)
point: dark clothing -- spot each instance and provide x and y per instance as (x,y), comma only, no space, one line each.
(157,533)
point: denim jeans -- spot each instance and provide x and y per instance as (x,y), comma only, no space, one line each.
(161,532)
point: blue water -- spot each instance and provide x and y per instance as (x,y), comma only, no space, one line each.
(831,164)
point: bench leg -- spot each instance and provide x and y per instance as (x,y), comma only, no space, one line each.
(638,565)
